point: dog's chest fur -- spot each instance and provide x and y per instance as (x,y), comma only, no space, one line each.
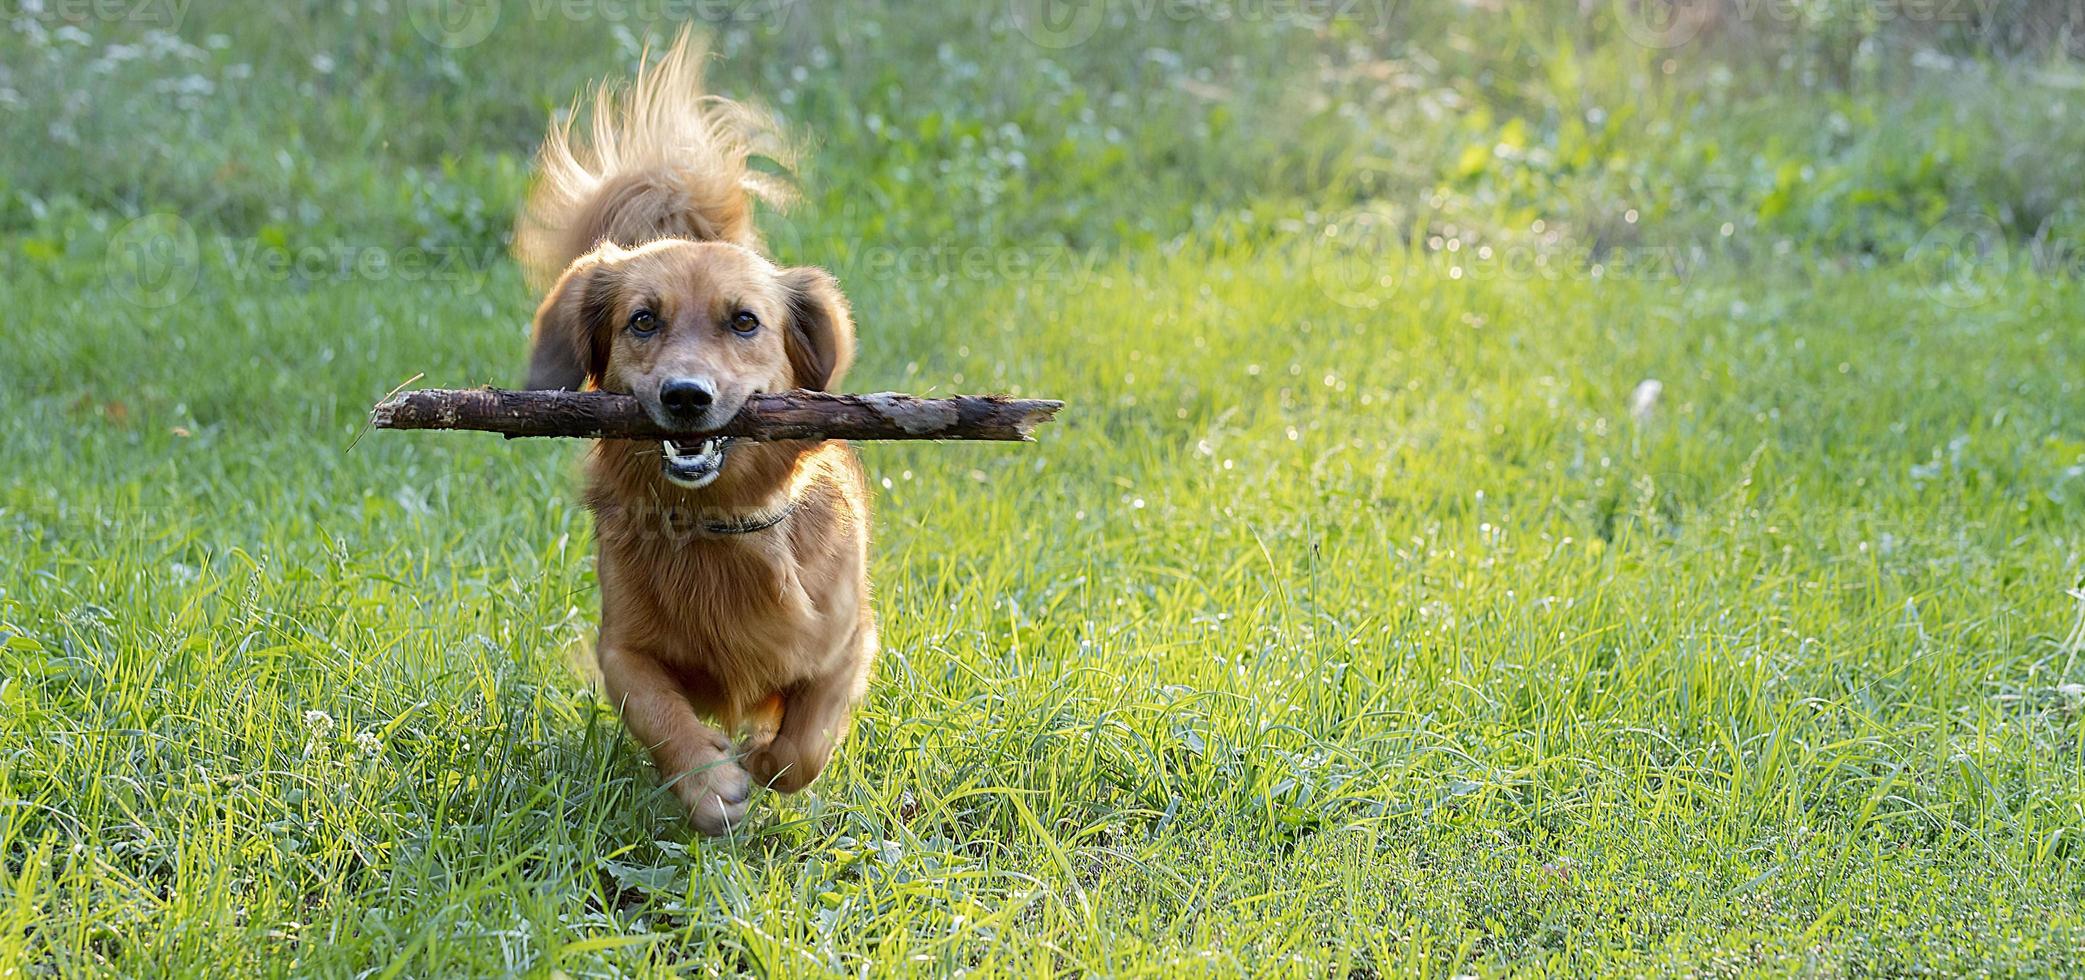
(731,608)
(737,616)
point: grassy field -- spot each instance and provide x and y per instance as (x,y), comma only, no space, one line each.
(1367,614)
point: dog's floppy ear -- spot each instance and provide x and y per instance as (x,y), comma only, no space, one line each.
(821,329)
(572,333)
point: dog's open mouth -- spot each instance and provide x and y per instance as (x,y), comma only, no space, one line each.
(693,464)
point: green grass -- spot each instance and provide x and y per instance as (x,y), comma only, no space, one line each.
(1341,627)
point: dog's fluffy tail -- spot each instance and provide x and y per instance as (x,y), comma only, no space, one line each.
(660,159)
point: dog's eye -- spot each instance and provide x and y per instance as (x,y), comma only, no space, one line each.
(744,323)
(644,323)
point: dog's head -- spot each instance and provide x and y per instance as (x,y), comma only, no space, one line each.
(692,329)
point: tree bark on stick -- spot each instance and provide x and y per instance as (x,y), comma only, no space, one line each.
(768,417)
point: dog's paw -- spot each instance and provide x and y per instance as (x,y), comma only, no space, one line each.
(716,796)
(778,769)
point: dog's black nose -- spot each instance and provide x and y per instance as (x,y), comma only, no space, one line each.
(686,396)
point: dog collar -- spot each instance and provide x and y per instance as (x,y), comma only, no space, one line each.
(753,524)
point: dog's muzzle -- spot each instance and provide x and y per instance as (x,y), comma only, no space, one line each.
(693,465)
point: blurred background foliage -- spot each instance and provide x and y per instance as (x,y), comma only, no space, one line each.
(1837,129)
(1373,609)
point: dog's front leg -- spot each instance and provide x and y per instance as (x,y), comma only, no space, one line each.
(814,717)
(694,758)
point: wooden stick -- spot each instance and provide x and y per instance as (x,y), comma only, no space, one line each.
(787,415)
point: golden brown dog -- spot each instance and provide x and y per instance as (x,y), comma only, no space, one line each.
(733,573)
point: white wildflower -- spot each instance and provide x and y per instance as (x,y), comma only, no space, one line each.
(1643,402)
(2075,642)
